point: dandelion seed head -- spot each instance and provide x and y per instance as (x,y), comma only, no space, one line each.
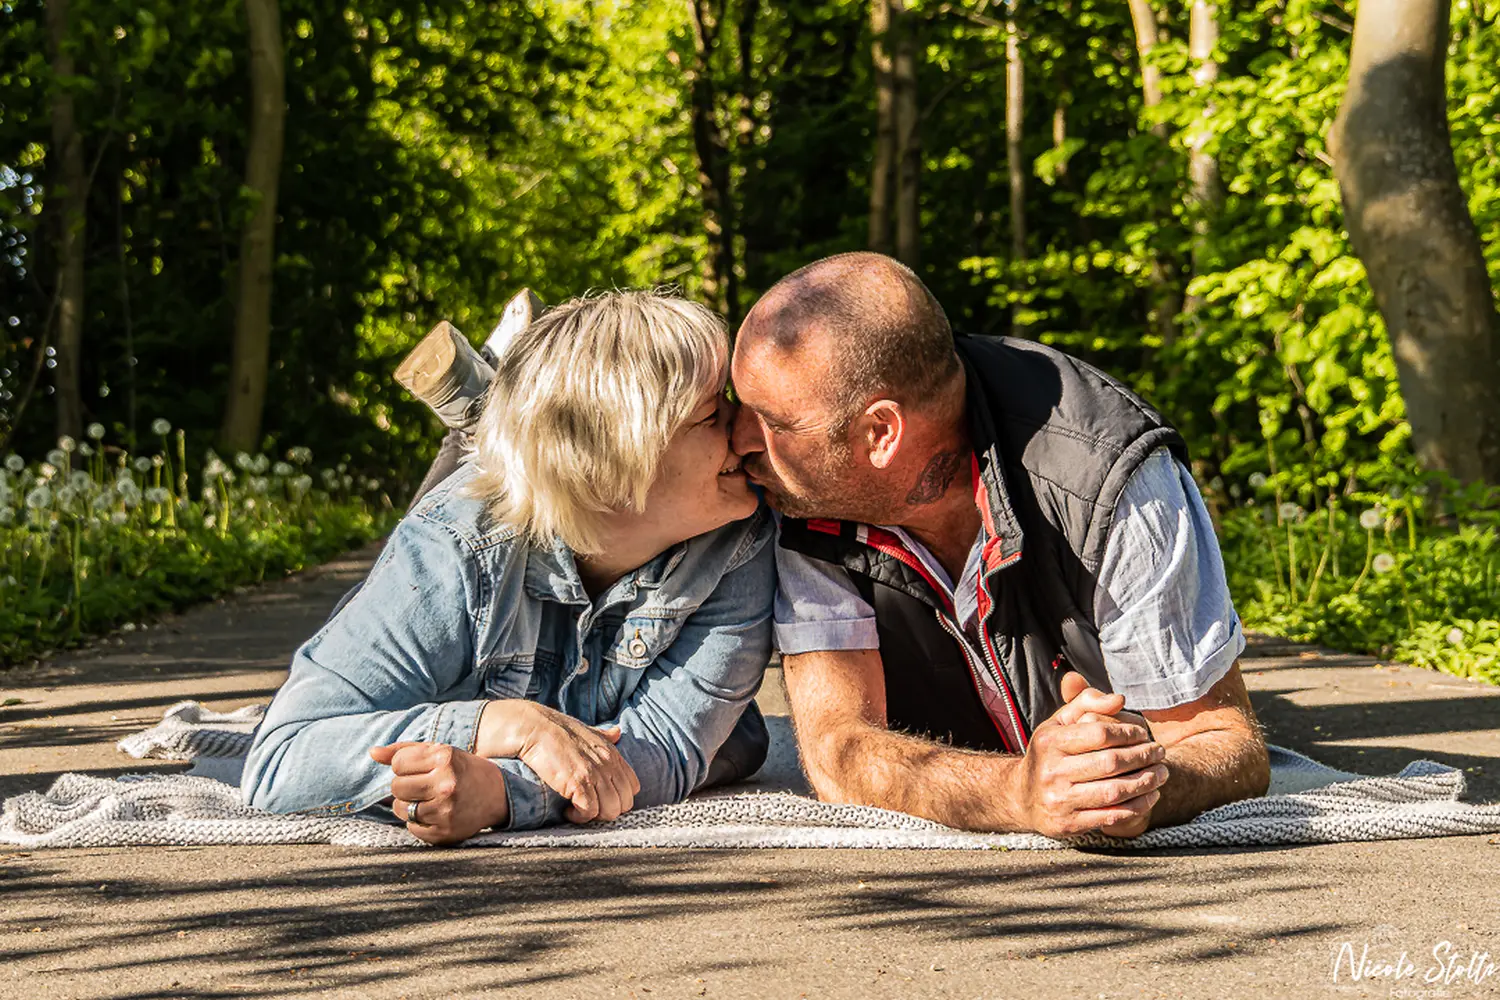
(118,517)
(1384,563)
(67,444)
(96,431)
(15,463)
(1456,636)
(39,498)
(57,457)
(1370,519)
(142,464)
(1257,480)
(160,427)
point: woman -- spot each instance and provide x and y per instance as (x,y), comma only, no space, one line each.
(566,627)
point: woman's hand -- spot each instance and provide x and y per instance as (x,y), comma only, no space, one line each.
(456,794)
(579,762)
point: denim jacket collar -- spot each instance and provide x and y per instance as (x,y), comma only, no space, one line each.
(552,574)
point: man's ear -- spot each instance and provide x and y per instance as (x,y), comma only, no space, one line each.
(885,428)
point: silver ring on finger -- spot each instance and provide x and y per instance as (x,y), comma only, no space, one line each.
(411,814)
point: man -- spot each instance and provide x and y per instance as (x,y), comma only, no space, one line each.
(988,550)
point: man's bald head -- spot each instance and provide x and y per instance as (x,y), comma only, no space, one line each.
(878,329)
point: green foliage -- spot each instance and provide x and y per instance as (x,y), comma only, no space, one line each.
(440,154)
(1374,573)
(94,538)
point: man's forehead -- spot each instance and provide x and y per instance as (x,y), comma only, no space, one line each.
(760,368)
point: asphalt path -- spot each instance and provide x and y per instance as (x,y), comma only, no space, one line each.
(312,921)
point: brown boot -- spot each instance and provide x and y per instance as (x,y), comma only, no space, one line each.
(445,372)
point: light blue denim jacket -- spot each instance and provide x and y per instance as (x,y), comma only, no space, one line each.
(458,611)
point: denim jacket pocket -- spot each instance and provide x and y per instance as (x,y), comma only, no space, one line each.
(508,678)
(637,644)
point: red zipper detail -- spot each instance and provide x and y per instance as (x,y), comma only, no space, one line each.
(963,645)
(884,541)
(1010,699)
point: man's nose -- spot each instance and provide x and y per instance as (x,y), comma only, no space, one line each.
(744,432)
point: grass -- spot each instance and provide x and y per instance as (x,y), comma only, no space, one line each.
(94,538)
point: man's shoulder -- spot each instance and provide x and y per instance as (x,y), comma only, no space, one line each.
(1031,388)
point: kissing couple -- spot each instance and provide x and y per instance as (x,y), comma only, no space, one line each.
(994,586)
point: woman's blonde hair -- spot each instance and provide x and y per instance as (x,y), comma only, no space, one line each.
(584,404)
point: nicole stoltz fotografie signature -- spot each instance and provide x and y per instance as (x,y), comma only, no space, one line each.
(1444,970)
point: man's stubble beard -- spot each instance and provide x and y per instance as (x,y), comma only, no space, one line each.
(841,500)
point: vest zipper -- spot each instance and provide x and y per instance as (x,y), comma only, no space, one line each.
(1010,701)
(963,645)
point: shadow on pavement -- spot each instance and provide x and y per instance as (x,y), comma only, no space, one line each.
(500,919)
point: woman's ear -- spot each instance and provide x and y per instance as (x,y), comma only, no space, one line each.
(885,424)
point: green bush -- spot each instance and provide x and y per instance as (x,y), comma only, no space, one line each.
(94,538)
(1383,574)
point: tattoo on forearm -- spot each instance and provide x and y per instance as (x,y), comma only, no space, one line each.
(936,478)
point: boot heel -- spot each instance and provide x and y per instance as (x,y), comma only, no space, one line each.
(445,372)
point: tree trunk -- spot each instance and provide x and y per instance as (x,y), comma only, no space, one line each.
(1203,169)
(720,286)
(745,38)
(252,320)
(1015,96)
(1409,222)
(908,137)
(885,128)
(71,195)
(1144,18)
(1166,300)
(1060,130)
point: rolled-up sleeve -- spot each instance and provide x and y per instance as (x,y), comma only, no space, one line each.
(372,676)
(818,607)
(1168,627)
(692,696)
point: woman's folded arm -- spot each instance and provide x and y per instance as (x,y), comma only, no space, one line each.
(692,696)
(372,676)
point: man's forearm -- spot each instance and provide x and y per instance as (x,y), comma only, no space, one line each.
(1210,769)
(960,788)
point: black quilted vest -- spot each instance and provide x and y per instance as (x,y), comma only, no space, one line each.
(1055,441)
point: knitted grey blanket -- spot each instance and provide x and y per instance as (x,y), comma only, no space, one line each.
(1308,803)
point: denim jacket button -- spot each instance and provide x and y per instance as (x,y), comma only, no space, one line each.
(637,648)
(583,665)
